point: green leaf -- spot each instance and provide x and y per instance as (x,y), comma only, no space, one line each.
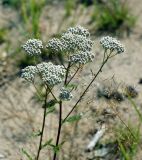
(124,152)
(73,118)
(51,106)
(56,149)
(50,110)
(47,143)
(72,86)
(26,154)
(60,145)
(36,134)
(136,108)
(52,102)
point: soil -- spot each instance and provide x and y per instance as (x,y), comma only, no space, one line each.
(21,113)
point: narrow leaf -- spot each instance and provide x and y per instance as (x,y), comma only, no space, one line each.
(72,86)
(50,110)
(56,149)
(51,103)
(36,134)
(47,143)
(136,108)
(26,154)
(124,153)
(73,118)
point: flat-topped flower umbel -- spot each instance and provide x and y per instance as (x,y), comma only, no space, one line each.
(33,47)
(28,73)
(50,73)
(112,44)
(75,43)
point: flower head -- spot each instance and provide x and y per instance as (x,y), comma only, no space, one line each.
(55,45)
(112,44)
(50,73)
(65,94)
(82,57)
(78,30)
(28,73)
(33,47)
(75,42)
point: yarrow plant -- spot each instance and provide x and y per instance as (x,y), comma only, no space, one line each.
(76,46)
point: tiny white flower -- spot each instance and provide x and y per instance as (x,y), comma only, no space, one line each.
(55,45)
(33,47)
(75,42)
(82,57)
(74,39)
(51,74)
(28,73)
(79,30)
(112,44)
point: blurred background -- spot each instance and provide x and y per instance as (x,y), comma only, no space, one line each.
(116,96)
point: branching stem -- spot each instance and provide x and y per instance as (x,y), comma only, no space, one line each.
(67,73)
(82,95)
(73,75)
(60,114)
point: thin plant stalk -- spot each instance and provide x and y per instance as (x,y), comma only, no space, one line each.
(73,75)
(136,108)
(82,95)
(60,104)
(59,128)
(43,126)
(67,72)
(60,113)
(123,122)
(39,94)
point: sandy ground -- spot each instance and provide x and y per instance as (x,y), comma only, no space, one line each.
(20,114)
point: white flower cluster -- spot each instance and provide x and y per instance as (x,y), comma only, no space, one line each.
(112,44)
(55,45)
(82,57)
(28,73)
(33,47)
(74,40)
(79,30)
(50,73)
(65,95)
